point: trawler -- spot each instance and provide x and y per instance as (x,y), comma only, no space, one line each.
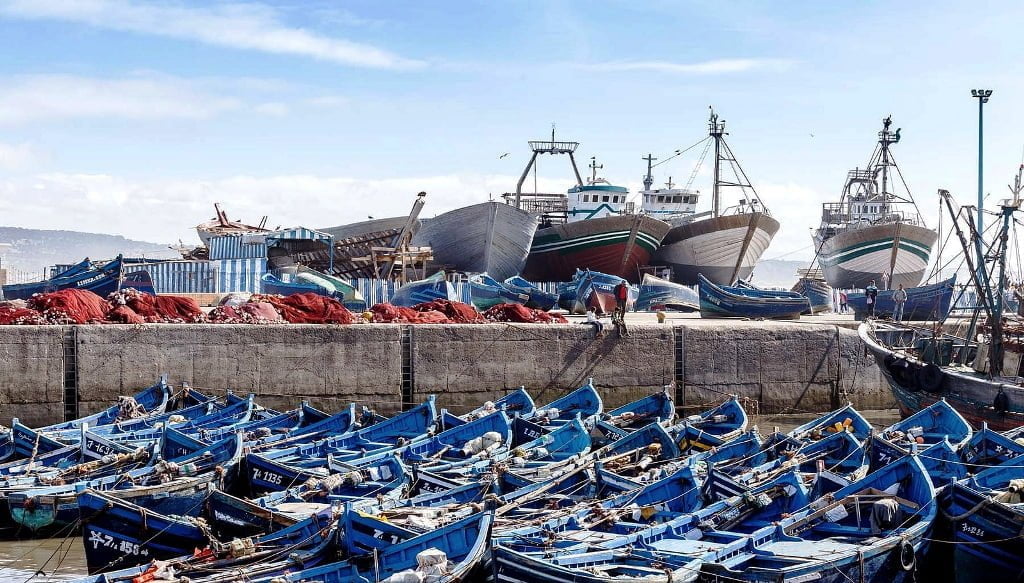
(723,245)
(593,226)
(874,232)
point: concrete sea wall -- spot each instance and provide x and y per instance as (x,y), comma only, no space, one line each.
(780,367)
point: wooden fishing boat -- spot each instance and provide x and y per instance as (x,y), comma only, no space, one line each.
(723,421)
(435,287)
(817,291)
(662,294)
(937,422)
(454,552)
(536,297)
(101,280)
(928,302)
(486,292)
(596,291)
(302,279)
(656,407)
(872,530)
(585,401)
(986,514)
(735,302)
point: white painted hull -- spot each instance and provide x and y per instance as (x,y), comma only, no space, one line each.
(853,258)
(722,249)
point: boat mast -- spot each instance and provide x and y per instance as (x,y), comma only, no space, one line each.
(649,178)
(716,129)
(594,167)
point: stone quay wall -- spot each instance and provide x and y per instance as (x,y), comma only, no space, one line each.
(784,367)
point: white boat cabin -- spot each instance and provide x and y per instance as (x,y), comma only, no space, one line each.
(666,203)
(596,200)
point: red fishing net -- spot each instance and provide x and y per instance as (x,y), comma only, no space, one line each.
(309,308)
(457,312)
(71,305)
(12,313)
(520,313)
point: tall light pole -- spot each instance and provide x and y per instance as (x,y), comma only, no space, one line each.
(982,95)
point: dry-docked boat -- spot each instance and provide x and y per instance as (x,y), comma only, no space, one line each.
(599,232)
(873,230)
(721,244)
(489,237)
(222,225)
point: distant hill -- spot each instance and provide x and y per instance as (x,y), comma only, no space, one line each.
(29,251)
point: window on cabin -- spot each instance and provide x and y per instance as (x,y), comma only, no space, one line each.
(604,198)
(677,199)
(661,198)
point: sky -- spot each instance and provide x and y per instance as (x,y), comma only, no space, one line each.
(133,118)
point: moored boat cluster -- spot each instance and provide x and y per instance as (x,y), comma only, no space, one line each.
(177,485)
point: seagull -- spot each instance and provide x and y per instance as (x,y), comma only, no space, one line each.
(503,155)
(812,135)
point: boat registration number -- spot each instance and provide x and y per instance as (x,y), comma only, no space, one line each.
(268,477)
(103,540)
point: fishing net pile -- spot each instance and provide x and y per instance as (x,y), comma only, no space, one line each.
(521,314)
(72,306)
(434,312)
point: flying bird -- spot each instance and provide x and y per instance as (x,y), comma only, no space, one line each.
(503,155)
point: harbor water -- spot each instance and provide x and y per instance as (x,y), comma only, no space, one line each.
(56,559)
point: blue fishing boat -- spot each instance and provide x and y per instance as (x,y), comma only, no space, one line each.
(566,292)
(275,469)
(925,428)
(736,302)
(302,279)
(684,544)
(662,294)
(536,297)
(189,477)
(299,544)
(927,302)
(845,419)
(454,552)
(486,292)
(517,403)
(152,399)
(986,513)
(817,291)
(101,280)
(435,287)
(723,422)
(596,290)
(657,407)
(584,401)
(872,530)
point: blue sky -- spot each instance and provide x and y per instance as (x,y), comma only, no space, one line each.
(134,117)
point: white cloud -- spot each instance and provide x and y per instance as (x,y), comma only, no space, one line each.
(49,97)
(168,210)
(798,208)
(19,156)
(245,26)
(712,67)
(272,108)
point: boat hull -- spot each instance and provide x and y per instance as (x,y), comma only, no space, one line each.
(489,237)
(616,245)
(731,302)
(660,294)
(817,291)
(972,396)
(722,249)
(987,536)
(930,302)
(853,258)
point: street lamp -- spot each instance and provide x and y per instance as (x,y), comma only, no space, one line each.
(982,96)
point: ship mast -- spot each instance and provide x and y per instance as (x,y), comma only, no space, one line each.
(649,178)
(717,130)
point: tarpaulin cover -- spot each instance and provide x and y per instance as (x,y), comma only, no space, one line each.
(520,313)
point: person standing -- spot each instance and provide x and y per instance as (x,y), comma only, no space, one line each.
(900,297)
(621,297)
(842,302)
(871,292)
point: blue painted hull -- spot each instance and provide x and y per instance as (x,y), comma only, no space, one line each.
(536,297)
(102,281)
(661,294)
(733,302)
(426,290)
(929,302)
